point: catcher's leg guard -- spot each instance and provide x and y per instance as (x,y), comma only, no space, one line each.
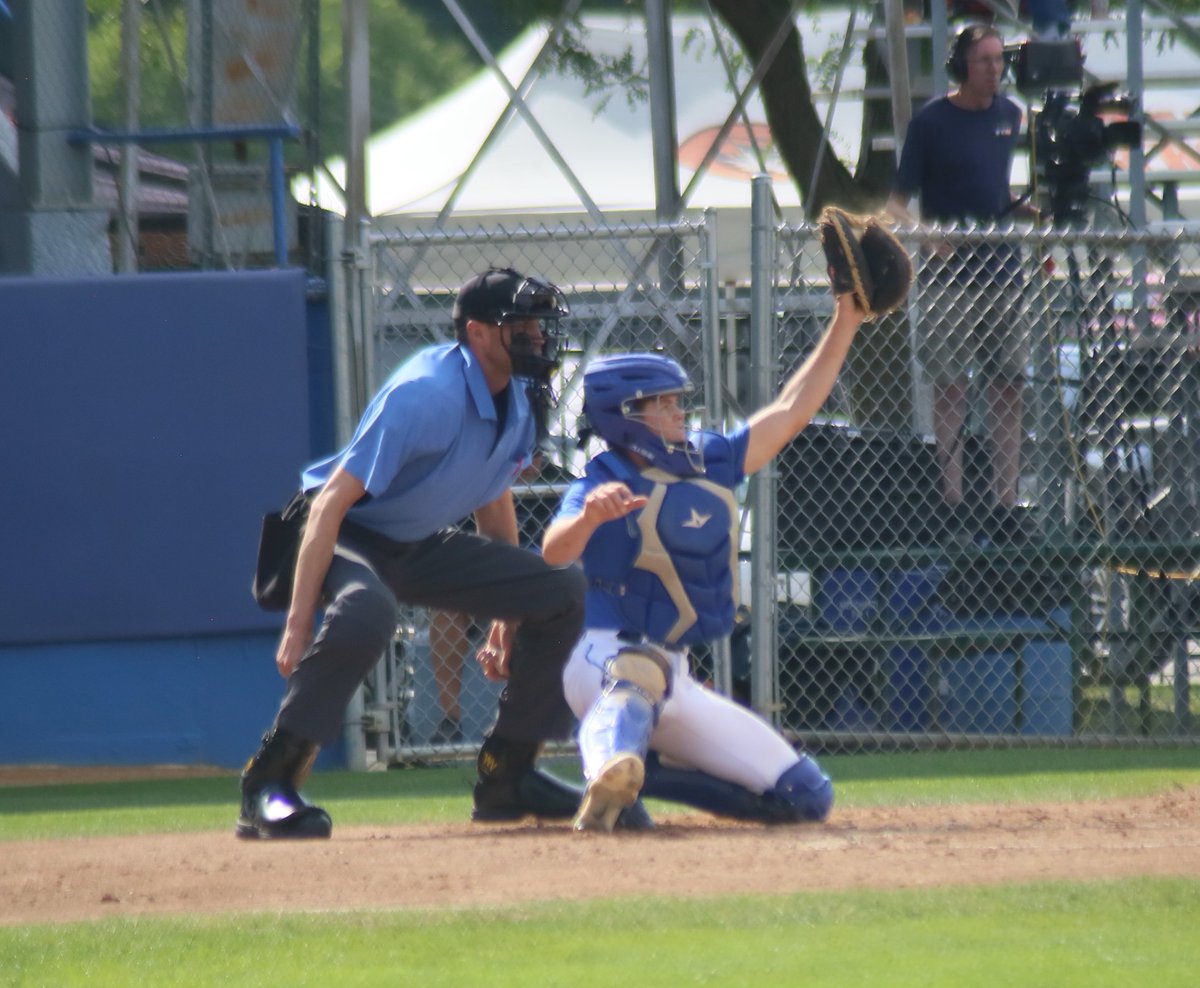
(509,787)
(802,792)
(615,734)
(271,805)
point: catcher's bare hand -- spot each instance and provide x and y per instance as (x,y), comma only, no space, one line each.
(610,501)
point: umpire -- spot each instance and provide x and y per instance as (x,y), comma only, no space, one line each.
(445,437)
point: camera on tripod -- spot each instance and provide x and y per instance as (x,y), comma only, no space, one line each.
(1067,135)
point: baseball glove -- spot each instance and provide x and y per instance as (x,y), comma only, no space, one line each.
(865,259)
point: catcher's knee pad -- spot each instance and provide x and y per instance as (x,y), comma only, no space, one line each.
(805,791)
(642,668)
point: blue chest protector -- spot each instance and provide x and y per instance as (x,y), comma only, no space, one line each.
(668,570)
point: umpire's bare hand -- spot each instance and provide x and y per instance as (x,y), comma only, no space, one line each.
(493,655)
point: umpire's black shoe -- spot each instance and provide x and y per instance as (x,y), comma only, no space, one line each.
(272,807)
(509,787)
(533,793)
(278,811)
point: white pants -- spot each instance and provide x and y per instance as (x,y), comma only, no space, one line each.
(697,727)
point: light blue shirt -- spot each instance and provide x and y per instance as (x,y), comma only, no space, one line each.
(427,448)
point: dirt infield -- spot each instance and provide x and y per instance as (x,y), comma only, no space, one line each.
(463,865)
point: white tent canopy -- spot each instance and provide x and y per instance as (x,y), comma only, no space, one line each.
(605,139)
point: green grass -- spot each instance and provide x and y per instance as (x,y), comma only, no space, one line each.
(179,805)
(1118,933)
(444,793)
(1140,932)
(1023,775)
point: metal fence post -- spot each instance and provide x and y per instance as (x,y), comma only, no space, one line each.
(359,349)
(1048,452)
(764,688)
(714,401)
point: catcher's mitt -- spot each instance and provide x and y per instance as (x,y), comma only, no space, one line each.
(865,259)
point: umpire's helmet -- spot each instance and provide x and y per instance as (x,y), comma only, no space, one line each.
(502,295)
(611,387)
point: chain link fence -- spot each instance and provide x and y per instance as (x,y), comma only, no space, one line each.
(992,533)
(1050,598)
(629,288)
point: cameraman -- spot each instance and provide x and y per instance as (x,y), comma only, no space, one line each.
(957,159)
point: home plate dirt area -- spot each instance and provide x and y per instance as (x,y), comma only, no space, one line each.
(467,864)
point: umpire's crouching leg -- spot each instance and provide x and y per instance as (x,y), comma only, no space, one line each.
(532,708)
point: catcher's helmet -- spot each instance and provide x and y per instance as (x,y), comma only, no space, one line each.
(611,387)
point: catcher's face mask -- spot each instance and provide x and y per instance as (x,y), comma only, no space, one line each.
(663,414)
(664,417)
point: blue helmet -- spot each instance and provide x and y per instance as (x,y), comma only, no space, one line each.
(611,386)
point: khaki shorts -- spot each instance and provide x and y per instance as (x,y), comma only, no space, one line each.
(978,326)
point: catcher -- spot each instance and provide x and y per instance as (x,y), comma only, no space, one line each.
(654,522)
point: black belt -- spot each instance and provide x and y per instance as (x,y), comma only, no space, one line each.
(377,541)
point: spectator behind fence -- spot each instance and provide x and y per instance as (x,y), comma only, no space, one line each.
(449,641)
(1051,19)
(957,158)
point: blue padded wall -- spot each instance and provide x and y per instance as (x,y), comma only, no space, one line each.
(148,423)
(174,701)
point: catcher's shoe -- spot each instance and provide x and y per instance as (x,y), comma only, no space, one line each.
(271,803)
(510,788)
(635,816)
(614,788)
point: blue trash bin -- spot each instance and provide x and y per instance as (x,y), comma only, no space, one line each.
(1047,701)
(978,693)
(990,692)
(907,681)
(848,599)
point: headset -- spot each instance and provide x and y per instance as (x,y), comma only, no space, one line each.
(964,41)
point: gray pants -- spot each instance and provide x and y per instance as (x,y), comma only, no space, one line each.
(452,571)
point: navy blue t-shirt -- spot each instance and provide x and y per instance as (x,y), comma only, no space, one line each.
(959,161)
